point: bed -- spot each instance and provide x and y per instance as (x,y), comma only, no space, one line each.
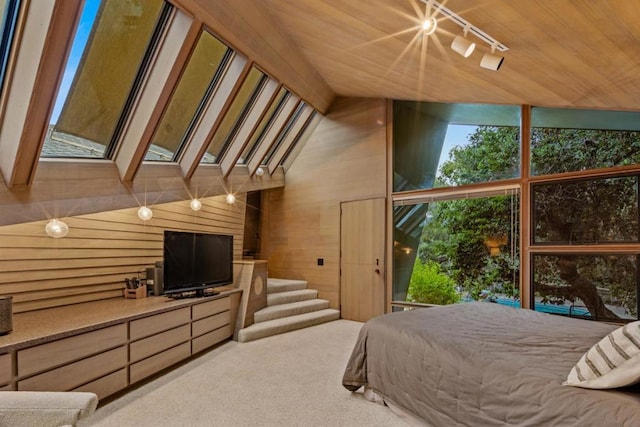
(484,364)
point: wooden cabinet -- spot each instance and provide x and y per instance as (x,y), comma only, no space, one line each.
(5,369)
(60,352)
(126,350)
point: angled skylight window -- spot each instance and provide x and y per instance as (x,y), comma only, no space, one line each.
(112,46)
(201,76)
(265,123)
(235,115)
(286,131)
(9,10)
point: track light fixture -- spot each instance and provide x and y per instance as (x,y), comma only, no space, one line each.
(462,45)
(491,61)
(429,25)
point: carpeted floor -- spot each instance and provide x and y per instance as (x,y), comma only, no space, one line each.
(292,379)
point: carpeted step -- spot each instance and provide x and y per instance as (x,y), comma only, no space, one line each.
(284,285)
(291,309)
(286,324)
(291,296)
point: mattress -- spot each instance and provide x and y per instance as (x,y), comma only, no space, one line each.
(484,364)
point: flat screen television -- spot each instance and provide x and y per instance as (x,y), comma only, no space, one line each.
(196,262)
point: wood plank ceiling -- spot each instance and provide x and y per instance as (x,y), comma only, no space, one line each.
(582,54)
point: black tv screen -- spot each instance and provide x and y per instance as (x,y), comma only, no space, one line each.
(196,261)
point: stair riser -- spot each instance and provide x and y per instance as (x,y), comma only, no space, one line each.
(279,298)
(246,335)
(274,289)
(263,317)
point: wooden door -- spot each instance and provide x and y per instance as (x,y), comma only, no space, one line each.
(362,242)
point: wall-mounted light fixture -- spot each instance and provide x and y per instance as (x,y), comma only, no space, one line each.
(195,204)
(259,171)
(144,213)
(231,199)
(56,228)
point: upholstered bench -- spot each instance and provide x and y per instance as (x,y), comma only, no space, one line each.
(44,408)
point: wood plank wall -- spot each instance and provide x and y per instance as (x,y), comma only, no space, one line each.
(343,160)
(100,251)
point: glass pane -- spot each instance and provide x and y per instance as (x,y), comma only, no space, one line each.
(285,131)
(572,140)
(235,115)
(600,287)
(199,76)
(586,211)
(264,125)
(108,49)
(9,10)
(436,145)
(457,251)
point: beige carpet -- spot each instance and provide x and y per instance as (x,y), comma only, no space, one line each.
(292,379)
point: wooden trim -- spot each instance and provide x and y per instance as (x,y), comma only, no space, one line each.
(389,191)
(525,206)
(50,70)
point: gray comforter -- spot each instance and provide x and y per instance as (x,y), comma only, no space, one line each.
(483,364)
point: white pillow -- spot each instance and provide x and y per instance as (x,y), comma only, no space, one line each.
(613,362)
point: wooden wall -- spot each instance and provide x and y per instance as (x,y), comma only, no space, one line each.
(100,251)
(344,160)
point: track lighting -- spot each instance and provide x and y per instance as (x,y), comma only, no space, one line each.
(463,46)
(144,213)
(195,204)
(56,229)
(429,25)
(490,61)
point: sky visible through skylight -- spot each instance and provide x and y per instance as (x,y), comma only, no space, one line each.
(87,18)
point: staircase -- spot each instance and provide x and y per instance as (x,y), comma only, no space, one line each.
(290,306)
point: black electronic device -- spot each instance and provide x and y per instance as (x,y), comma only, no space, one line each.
(196,262)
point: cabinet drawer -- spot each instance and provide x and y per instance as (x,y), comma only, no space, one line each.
(75,374)
(60,352)
(155,344)
(107,385)
(160,322)
(5,368)
(210,308)
(212,338)
(150,366)
(210,323)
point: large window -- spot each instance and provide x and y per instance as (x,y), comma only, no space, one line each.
(579,242)
(9,10)
(112,46)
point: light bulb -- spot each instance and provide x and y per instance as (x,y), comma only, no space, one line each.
(231,199)
(144,213)
(195,204)
(429,25)
(56,228)
(259,172)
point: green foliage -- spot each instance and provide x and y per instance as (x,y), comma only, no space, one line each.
(430,286)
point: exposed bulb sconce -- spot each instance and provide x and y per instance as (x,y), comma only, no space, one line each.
(56,229)
(429,26)
(144,213)
(259,171)
(231,199)
(462,45)
(195,205)
(491,61)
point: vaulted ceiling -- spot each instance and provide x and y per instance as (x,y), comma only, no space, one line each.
(583,54)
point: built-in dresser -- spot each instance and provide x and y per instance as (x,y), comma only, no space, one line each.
(106,346)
